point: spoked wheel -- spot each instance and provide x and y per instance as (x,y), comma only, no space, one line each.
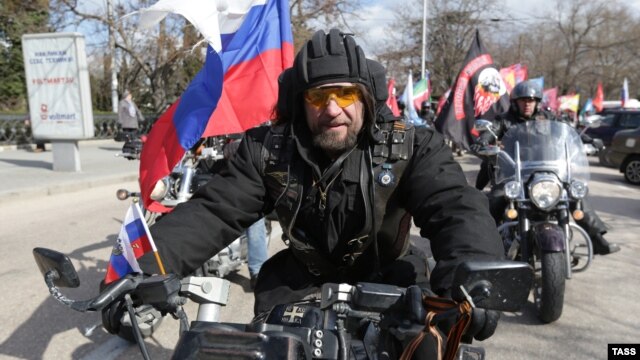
(549,286)
(581,248)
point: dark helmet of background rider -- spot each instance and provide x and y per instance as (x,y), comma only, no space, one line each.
(527,89)
(328,58)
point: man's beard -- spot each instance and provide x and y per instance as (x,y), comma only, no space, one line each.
(331,142)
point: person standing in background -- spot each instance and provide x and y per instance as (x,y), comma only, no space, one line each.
(129,115)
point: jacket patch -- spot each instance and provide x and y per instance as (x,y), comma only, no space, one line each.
(280,177)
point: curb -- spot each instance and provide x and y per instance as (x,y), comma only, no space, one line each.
(63,188)
(47,145)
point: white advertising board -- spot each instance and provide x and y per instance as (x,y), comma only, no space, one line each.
(58,86)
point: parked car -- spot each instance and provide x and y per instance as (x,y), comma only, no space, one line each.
(624,153)
(613,120)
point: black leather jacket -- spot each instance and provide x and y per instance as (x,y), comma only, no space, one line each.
(506,120)
(432,189)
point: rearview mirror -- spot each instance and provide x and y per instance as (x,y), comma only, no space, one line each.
(483,125)
(489,150)
(494,285)
(65,274)
(593,121)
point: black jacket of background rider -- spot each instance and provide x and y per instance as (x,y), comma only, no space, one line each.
(503,122)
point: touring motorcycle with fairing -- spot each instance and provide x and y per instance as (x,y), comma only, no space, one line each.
(541,177)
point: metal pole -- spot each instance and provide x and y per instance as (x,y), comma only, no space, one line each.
(424,36)
(112,64)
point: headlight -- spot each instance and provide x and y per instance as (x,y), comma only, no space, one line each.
(578,189)
(160,190)
(512,190)
(545,193)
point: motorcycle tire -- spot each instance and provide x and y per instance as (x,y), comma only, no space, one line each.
(549,287)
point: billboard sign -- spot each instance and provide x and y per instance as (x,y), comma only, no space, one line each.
(57,79)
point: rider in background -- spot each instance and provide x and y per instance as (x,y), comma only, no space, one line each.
(426,113)
(525,98)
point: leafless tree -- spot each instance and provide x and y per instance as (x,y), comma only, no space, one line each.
(157,65)
(307,16)
(451,25)
(576,44)
(573,44)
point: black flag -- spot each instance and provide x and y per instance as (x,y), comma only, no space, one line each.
(478,93)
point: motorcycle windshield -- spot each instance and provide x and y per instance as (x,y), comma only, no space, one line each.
(544,145)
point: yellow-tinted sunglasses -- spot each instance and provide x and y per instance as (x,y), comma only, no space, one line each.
(343,96)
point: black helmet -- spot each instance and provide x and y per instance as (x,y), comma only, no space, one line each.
(527,89)
(334,57)
(328,58)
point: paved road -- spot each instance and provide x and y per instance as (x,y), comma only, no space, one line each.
(600,306)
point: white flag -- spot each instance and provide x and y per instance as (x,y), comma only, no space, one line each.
(210,17)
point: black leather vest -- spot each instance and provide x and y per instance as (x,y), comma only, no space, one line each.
(283,172)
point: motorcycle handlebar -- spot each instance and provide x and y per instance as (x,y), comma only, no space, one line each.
(105,298)
(115,291)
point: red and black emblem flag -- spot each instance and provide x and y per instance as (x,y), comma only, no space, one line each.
(478,93)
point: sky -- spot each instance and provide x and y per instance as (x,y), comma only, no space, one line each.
(378,14)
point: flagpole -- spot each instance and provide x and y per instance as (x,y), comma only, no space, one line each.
(424,36)
(155,253)
(136,206)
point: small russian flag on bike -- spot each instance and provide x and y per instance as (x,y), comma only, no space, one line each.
(134,240)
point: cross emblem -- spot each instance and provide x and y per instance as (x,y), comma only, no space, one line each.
(293,314)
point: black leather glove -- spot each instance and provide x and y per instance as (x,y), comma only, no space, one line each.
(477,146)
(483,323)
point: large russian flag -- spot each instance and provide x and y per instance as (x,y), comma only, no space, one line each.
(235,90)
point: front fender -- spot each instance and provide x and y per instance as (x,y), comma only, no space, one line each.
(548,237)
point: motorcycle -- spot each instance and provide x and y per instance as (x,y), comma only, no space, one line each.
(132,146)
(542,173)
(361,321)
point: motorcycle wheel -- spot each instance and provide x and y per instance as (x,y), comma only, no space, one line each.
(549,287)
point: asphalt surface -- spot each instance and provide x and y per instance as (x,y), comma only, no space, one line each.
(600,304)
(25,173)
